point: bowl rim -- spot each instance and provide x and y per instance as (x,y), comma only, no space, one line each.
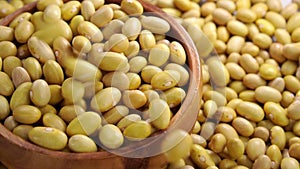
(177,121)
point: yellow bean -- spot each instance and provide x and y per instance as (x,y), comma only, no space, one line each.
(227,130)
(7,49)
(217,143)
(291,51)
(5,109)
(138,130)
(48,137)
(296,129)
(6,33)
(222,33)
(262,40)
(22,131)
(289,163)
(21,95)
(262,133)
(53,120)
(179,146)
(278,84)
(87,9)
(295,35)
(235,148)
(276,113)
(235,44)
(253,81)
(260,9)
(250,111)
(200,156)
(247,95)
(262,162)
(159,113)
(277,20)
(246,15)
(132,7)
(282,36)
(228,5)
(111,136)
(237,28)
(243,126)
(289,10)
(44,3)
(293,22)
(248,63)
(250,48)
(268,71)
(236,71)
(40,93)
(221,16)
(228,163)
(7,9)
(274,153)
(265,26)
(276,52)
(228,113)
(6,85)
(274,5)
(257,144)
(208,8)
(241,4)
(86,124)
(278,137)
(26,114)
(264,94)
(70,9)
(291,83)
(294,150)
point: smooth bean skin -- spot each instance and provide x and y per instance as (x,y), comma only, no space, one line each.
(251,111)
(278,137)
(235,148)
(257,144)
(40,93)
(82,144)
(7,87)
(265,93)
(179,147)
(197,152)
(159,113)
(19,75)
(48,137)
(138,130)
(243,126)
(152,23)
(289,163)
(111,136)
(22,131)
(276,113)
(53,120)
(134,98)
(5,109)
(86,124)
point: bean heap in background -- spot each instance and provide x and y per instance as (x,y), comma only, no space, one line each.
(76,70)
(250,115)
(257,90)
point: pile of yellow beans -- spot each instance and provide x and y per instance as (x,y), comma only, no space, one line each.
(250,116)
(75,71)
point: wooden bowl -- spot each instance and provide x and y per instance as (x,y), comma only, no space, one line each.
(16,153)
